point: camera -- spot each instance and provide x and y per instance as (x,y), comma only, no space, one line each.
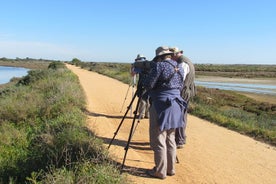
(144,66)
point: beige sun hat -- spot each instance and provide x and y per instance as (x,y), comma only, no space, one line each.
(162,50)
(176,50)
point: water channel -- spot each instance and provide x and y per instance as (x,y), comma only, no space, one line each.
(252,88)
(7,73)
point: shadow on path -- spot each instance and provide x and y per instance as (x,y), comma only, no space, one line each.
(135,171)
(89,113)
(123,143)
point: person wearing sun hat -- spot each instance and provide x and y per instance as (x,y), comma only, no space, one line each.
(189,90)
(143,107)
(164,83)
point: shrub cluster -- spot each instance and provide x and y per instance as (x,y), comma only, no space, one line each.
(43,135)
(118,71)
(237,112)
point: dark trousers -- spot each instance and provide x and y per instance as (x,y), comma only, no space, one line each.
(180,133)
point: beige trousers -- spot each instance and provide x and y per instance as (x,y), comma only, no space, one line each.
(144,108)
(164,147)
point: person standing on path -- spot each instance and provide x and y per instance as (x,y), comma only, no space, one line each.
(164,83)
(143,108)
(189,91)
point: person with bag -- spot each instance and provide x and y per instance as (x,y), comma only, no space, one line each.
(164,84)
(143,108)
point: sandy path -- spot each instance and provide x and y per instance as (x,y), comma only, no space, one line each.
(212,154)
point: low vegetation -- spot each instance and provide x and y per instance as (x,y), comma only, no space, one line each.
(114,70)
(236,112)
(226,108)
(26,63)
(43,134)
(241,71)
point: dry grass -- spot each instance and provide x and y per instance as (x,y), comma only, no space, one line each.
(261,97)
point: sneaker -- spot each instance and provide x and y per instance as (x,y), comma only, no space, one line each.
(138,116)
(170,174)
(153,174)
(179,146)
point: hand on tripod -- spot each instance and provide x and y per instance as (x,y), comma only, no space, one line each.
(141,90)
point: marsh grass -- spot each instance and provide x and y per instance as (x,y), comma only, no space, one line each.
(43,134)
(237,70)
(236,112)
(114,70)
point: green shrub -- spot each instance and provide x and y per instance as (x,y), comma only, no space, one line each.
(87,172)
(56,65)
(236,112)
(43,127)
(13,150)
(33,75)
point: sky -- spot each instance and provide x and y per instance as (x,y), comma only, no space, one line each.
(208,31)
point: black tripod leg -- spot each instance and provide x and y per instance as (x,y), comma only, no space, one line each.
(139,118)
(125,98)
(115,133)
(130,133)
(177,160)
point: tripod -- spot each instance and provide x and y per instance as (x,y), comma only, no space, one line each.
(132,130)
(133,84)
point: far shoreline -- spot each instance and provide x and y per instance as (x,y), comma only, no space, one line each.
(268,81)
(259,97)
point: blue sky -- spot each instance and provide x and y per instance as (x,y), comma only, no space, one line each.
(209,31)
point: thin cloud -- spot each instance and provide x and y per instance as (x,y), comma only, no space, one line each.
(5,36)
(11,49)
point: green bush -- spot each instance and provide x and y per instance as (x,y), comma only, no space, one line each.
(87,172)
(56,65)
(43,127)
(13,150)
(236,112)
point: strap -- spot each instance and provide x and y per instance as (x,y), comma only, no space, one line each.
(176,70)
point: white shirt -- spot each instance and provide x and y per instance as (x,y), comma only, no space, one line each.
(186,68)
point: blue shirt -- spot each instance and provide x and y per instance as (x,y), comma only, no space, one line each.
(160,76)
(164,84)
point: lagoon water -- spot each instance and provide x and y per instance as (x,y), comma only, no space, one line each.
(7,73)
(252,88)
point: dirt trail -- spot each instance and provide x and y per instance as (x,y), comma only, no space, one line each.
(212,154)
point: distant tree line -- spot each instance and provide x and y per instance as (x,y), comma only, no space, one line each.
(227,70)
(27,59)
(236,70)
